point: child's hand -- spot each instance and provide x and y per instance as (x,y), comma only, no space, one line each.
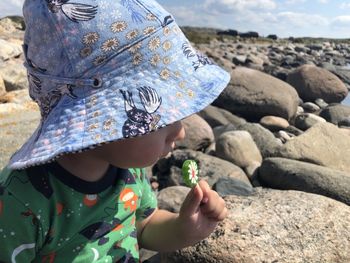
(201,211)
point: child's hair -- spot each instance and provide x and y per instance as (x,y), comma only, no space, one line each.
(106,70)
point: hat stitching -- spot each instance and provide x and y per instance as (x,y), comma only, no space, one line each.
(135,16)
(101,60)
(47,103)
(33,80)
(59,35)
(75,12)
(167,20)
(144,7)
(120,68)
(39,72)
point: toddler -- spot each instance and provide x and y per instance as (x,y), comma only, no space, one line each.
(113,80)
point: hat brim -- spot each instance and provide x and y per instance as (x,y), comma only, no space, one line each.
(177,87)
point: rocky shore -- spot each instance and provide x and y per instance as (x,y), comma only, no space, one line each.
(275,144)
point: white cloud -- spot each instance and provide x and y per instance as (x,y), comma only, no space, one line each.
(12,7)
(341,21)
(265,21)
(345,5)
(302,19)
(292,2)
(190,16)
(229,6)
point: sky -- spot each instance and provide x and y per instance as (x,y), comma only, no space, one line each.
(285,18)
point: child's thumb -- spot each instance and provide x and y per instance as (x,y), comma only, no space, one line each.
(192,202)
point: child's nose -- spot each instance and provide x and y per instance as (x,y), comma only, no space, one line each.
(178,132)
(181,134)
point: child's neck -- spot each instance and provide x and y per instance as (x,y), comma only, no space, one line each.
(84,166)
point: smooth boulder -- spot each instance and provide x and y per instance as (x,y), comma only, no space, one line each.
(323,144)
(312,82)
(335,113)
(286,174)
(199,135)
(238,147)
(253,94)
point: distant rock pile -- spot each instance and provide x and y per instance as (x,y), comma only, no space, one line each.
(275,143)
(19,116)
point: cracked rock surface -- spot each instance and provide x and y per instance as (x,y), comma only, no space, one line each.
(276,226)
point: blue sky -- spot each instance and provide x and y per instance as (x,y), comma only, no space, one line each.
(315,18)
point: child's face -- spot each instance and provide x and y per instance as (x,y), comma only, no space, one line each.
(142,151)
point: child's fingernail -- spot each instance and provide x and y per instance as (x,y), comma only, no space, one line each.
(205,200)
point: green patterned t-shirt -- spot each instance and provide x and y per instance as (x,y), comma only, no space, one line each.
(47,215)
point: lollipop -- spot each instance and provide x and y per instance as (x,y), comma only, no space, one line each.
(190,173)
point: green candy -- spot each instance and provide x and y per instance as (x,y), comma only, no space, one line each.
(190,173)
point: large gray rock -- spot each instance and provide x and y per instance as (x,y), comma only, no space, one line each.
(335,113)
(313,82)
(171,198)
(238,147)
(19,97)
(273,123)
(323,144)
(11,24)
(310,107)
(217,117)
(253,94)
(231,186)
(289,174)
(340,72)
(265,140)
(199,134)
(12,27)
(218,130)
(2,87)
(343,74)
(305,121)
(275,226)
(14,75)
(9,50)
(211,168)
(345,122)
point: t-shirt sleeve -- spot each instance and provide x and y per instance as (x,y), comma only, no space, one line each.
(20,230)
(148,199)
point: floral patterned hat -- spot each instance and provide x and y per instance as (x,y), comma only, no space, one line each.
(103,70)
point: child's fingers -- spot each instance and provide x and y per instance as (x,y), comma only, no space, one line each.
(206,190)
(221,216)
(215,206)
(192,202)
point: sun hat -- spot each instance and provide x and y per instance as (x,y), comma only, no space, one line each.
(104,70)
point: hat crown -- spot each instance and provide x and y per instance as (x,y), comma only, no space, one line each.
(73,38)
